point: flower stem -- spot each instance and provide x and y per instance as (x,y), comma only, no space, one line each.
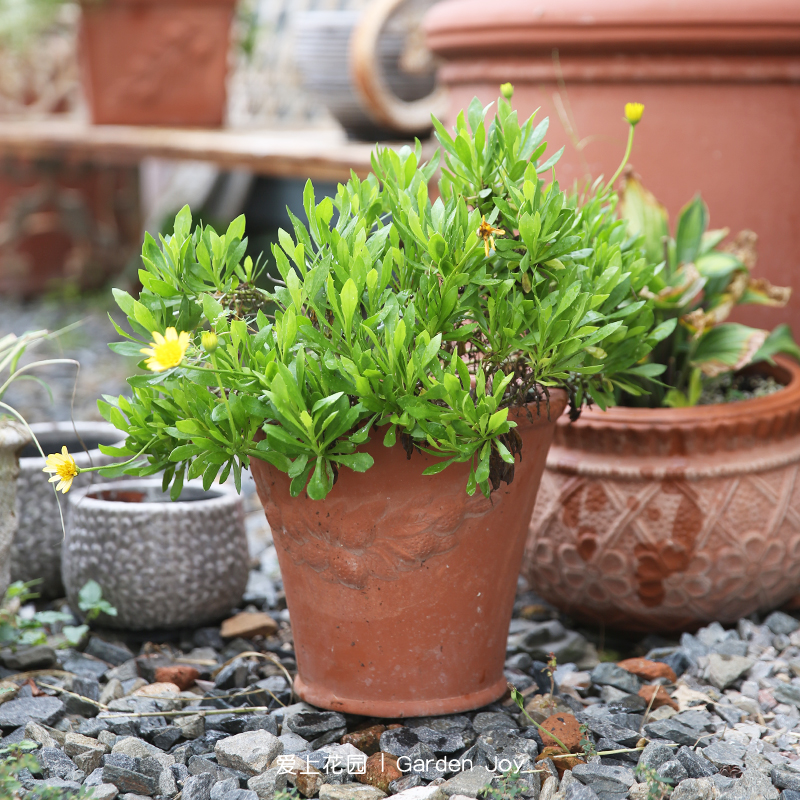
(624,158)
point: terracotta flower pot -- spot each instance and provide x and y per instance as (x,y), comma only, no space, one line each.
(155,62)
(400,586)
(718,80)
(667,519)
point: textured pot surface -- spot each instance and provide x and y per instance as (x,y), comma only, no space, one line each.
(36,553)
(156,63)
(161,564)
(400,585)
(720,82)
(666,519)
(13,437)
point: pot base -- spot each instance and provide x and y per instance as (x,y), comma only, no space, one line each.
(399,709)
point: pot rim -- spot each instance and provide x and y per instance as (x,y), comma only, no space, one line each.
(13,434)
(786,370)
(222,495)
(83,427)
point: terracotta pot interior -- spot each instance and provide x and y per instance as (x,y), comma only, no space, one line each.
(780,373)
(151,494)
(53,442)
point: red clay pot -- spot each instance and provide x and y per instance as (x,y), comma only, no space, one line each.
(667,519)
(156,62)
(720,82)
(401,586)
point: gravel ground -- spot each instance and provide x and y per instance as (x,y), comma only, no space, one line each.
(712,715)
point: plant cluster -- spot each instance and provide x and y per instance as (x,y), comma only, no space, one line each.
(419,320)
(16,758)
(698,280)
(19,629)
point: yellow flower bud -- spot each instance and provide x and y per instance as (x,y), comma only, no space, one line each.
(507,90)
(209,341)
(633,112)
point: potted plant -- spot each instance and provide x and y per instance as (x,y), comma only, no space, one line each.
(679,507)
(394,395)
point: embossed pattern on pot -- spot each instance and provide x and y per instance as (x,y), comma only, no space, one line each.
(645,540)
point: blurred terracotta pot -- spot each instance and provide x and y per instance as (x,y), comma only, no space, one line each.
(155,62)
(667,519)
(401,586)
(720,82)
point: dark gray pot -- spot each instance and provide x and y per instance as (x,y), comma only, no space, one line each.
(36,553)
(161,564)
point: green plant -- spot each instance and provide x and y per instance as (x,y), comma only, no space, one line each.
(508,786)
(420,321)
(657,788)
(586,743)
(17,630)
(91,602)
(696,284)
(18,757)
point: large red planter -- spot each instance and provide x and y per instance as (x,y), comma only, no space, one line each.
(156,62)
(401,586)
(720,82)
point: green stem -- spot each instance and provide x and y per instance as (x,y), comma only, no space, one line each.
(518,700)
(624,158)
(224,397)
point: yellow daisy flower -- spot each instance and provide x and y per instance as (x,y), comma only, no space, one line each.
(166,351)
(63,468)
(633,112)
(487,233)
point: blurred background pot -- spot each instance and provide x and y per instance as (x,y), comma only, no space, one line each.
(371,68)
(13,437)
(719,82)
(156,62)
(36,553)
(162,564)
(667,519)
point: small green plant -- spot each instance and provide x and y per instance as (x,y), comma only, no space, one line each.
(586,743)
(18,630)
(18,757)
(657,788)
(697,282)
(509,786)
(91,602)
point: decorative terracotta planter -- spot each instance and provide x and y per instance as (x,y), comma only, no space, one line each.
(720,82)
(13,437)
(161,564)
(36,554)
(401,586)
(667,519)
(156,62)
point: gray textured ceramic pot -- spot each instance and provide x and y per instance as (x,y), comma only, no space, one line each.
(13,437)
(36,553)
(161,564)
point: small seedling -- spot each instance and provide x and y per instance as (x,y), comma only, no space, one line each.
(657,788)
(510,786)
(587,743)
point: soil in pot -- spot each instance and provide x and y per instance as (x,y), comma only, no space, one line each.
(666,519)
(400,585)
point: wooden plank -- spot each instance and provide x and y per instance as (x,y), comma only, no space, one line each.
(323,154)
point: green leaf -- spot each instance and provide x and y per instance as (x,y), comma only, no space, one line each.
(717,265)
(779,341)
(358,462)
(437,247)
(727,347)
(692,224)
